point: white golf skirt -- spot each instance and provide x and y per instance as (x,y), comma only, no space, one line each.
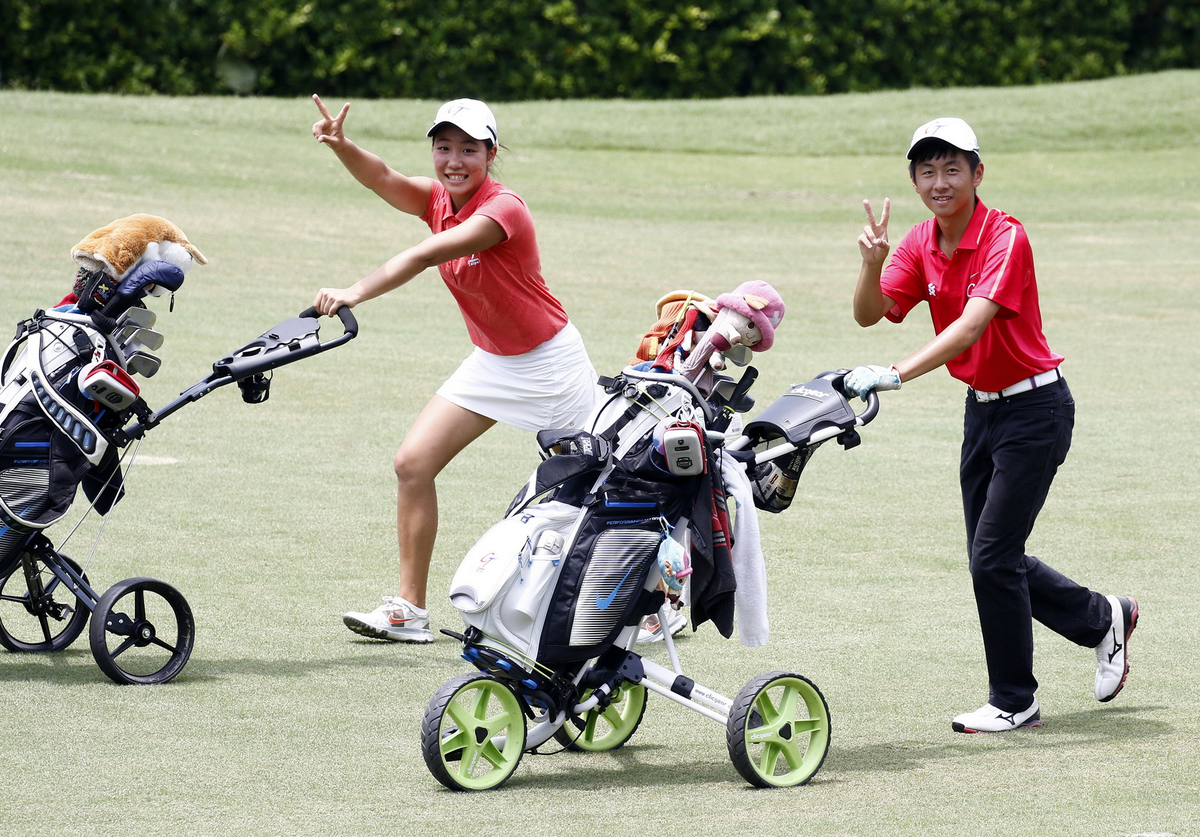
(551,386)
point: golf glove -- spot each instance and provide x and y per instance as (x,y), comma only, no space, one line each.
(862,379)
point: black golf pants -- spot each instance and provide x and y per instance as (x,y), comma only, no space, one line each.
(1012,448)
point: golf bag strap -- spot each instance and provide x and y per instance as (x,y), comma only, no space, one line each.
(77,427)
(11,352)
(610,433)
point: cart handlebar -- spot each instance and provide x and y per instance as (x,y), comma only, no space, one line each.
(349,324)
(292,340)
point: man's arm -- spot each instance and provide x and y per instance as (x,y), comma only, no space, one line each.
(870,302)
(955,339)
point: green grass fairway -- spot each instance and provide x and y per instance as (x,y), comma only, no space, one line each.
(273,519)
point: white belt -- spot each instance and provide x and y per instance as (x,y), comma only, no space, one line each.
(1038,380)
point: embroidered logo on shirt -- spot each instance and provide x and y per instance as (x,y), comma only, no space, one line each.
(931,290)
(474,260)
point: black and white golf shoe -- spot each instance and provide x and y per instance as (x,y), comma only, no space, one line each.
(1112,655)
(988,718)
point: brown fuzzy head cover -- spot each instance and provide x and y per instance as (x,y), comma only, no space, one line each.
(117,247)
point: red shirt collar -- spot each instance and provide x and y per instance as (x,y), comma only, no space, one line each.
(971,236)
(486,190)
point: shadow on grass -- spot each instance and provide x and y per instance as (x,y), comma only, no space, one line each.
(75,665)
(1097,726)
(366,656)
(623,768)
(59,667)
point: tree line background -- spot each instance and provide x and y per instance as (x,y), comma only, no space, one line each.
(527,49)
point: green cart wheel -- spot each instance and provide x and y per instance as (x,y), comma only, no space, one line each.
(778,730)
(473,734)
(608,728)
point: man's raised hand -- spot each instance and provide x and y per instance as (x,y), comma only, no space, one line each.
(328,129)
(873,243)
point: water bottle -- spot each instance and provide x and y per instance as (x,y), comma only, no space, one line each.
(776,486)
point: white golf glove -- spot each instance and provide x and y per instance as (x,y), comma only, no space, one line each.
(863,379)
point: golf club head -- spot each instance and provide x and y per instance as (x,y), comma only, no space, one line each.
(142,363)
(141,317)
(738,355)
(132,338)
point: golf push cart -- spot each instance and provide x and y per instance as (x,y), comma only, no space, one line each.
(628,520)
(69,411)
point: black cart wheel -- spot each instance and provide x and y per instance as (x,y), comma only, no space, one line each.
(778,730)
(37,611)
(142,632)
(473,734)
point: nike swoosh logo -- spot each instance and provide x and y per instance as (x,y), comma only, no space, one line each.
(603,603)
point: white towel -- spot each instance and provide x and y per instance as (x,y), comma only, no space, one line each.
(749,565)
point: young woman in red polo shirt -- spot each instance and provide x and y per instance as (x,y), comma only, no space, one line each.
(529,368)
(974,267)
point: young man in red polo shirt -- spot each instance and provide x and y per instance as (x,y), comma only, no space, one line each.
(974,267)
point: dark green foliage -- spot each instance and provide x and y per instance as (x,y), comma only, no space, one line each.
(524,49)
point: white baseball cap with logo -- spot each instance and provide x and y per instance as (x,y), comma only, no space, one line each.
(472,115)
(950,129)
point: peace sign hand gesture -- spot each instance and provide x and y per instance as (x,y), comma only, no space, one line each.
(328,129)
(873,243)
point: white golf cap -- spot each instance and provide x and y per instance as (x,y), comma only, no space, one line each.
(950,129)
(472,115)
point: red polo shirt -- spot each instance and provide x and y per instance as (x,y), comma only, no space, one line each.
(994,261)
(500,291)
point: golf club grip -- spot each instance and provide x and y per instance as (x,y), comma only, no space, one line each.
(349,324)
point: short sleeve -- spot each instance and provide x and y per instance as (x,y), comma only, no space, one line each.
(509,211)
(904,278)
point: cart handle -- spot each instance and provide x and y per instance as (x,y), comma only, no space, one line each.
(872,409)
(824,434)
(349,324)
(277,347)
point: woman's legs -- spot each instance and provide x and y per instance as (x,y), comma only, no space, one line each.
(440,432)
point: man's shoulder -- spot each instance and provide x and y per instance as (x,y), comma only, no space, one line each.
(998,219)
(991,227)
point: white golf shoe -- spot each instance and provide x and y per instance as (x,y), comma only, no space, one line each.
(1112,655)
(651,630)
(397,620)
(988,718)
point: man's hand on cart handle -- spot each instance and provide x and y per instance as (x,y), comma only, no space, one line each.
(862,379)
